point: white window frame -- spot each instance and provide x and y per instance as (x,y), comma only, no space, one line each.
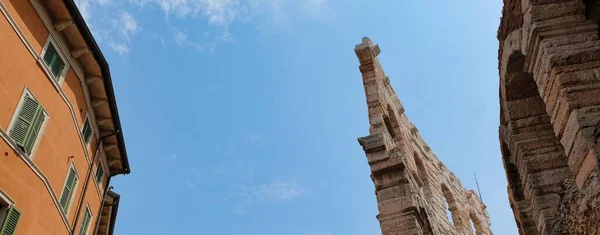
(9,202)
(71,166)
(42,127)
(61,77)
(87,230)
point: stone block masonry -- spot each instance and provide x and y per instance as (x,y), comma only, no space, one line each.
(415,191)
(549,63)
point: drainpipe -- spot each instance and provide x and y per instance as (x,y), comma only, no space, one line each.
(87,179)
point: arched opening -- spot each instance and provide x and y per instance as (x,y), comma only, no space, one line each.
(530,149)
(592,10)
(450,204)
(475,223)
(388,125)
(473,230)
(420,167)
(422,175)
(391,122)
(417,179)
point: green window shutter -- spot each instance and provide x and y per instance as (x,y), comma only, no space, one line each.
(49,54)
(85,223)
(35,129)
(9,226)
(99,173)
(86,131)
(28,123)
(57,67)
(53,61)
(67,193)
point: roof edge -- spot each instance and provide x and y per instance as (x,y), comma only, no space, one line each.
(115,210)
(99,57)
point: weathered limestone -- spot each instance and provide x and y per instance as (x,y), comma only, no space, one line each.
(412,186)
(549,62)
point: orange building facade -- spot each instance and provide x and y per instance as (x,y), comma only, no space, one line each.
(60,135)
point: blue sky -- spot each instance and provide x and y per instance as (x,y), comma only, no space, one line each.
(241,116)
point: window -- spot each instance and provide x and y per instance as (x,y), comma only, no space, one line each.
(67,193)
(25,129)
(86,132)
(99,173)
(85,223)
(9,216)
(53,61)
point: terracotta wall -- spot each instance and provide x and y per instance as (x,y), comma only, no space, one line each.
(60,143)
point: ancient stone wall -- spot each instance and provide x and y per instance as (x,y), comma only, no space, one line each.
(549,62)
(414,189)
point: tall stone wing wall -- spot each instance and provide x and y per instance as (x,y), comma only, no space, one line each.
(414,189)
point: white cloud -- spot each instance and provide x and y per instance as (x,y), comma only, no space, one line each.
(140,3)
(218,12)
(84,9)
(273,192)
(119,31)
(179,7)
(315,8)
(127,25)
(223,13)
(280,192)
(120,48)
(266,16)
(104,2)
(181,39)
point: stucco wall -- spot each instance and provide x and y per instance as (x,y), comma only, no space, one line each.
(60,143)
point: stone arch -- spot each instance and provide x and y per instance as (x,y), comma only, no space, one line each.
(476,226)
(391,122)
(517,201)
(532,153)
(518,204)
(388,126)
(417,180)
(560,40)
(420,169)
(450,205)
